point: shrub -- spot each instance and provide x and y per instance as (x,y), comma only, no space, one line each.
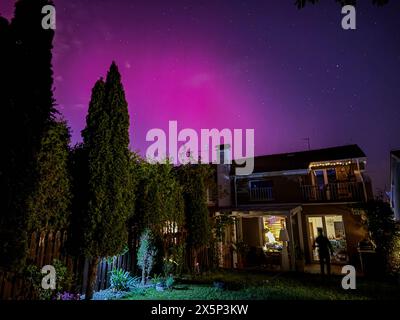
(179,258)
(394,257)
(121,280)
(174,262)
(382,229)
(64,277)
(157,279)
(169,282)
(169,266)
(63,280)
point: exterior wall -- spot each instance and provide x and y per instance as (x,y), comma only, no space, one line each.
(285,189)
(224,185)
(354,229)
(395,185)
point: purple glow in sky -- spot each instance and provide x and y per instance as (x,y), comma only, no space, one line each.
(287,73)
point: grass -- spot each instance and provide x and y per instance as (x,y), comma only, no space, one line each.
(268,286)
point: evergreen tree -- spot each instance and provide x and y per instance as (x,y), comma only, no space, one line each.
(49,205)
(78,166)
(27,111)
(106,140)
(159,198)
(159,206)
(195,179)
(5,223)
(119,186)
(5,103)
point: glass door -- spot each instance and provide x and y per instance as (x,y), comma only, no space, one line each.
(313,224)
(333,228)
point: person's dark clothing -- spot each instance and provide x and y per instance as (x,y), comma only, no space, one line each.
(324,245)
(325,260)
(324,252)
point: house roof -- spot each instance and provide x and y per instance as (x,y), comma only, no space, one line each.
(301,160)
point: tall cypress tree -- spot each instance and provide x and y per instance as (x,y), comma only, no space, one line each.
(27,112)
(118,191)
(106,141)
(96,138)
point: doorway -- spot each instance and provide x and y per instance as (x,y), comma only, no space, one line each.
(333,228)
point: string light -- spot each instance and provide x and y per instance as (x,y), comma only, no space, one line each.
(330,164)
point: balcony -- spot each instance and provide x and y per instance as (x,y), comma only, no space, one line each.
(339,191)
(261,194)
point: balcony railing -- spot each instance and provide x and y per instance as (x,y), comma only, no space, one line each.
(261,194)
(340,191)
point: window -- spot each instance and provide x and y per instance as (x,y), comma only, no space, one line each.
(331,174)
(261,184)
(319,177)
(325,176)
(333,229)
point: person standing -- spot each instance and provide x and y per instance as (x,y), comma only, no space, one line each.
(325,251)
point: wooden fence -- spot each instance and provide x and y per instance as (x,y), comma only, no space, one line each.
(44,247)
(108,264)
(13,287)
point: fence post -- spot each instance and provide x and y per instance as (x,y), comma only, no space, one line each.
(85,275)
(41,251)
(48,257)
(57,246)
(33,246)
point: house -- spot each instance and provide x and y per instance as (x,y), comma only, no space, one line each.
(278,209)
(395,183)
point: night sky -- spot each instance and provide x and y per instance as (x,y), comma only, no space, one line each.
(288,73)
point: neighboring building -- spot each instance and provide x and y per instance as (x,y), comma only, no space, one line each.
(395,183)
(279,207)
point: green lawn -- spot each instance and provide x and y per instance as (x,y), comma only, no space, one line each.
(262,286)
